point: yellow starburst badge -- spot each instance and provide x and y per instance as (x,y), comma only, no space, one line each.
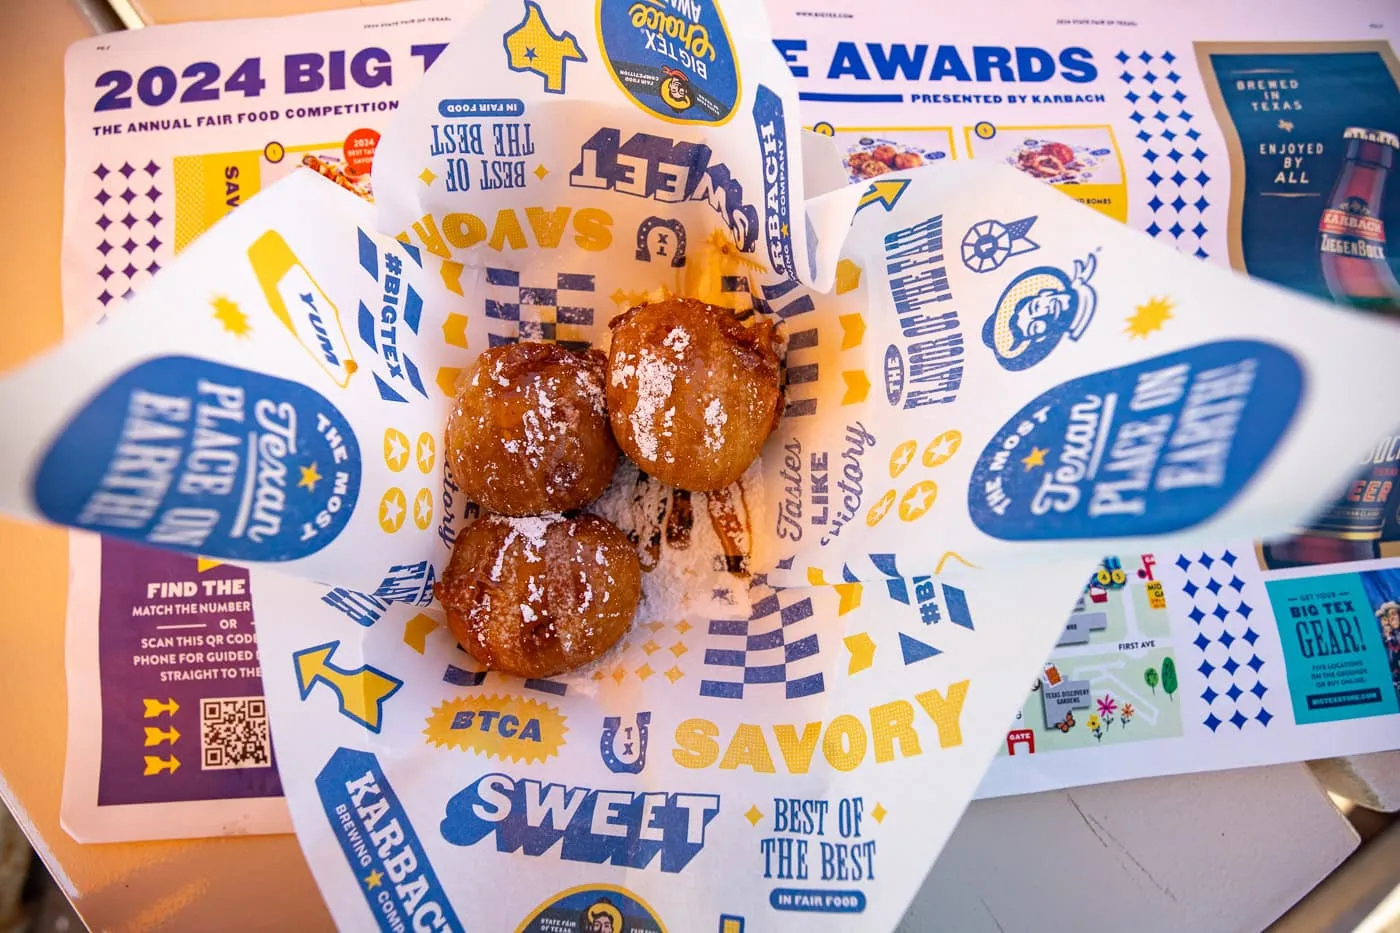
(1149,318)
(1036,458)
(505,727)
(234,320)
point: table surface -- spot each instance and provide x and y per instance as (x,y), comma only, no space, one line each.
(1205,852)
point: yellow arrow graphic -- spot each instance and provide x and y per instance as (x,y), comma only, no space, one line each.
(156,765)
(885,193)
(155,736)
(155,707)
(857,387)
(852,330)
(361,692)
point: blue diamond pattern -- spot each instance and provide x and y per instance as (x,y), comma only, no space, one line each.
(1144,135)
(1121,56)
(1207,561)
(1245,609)
(1176,230)
(1132,98)
(1200,253)
(1160,116)
(1226,638)
(1201,642)
(1230,666)
(1136,117)
(1149,76)
(1212,722)
(1190,589)
(1200,205)
(1145,59)
(1259,689)
(1220,612)
(1195,615)
(1202,178)
(1178,178)
(1174,156)
(102,172)
(1173,77)
(1179,97)
(1187,116)
(1234,692)
(1193,133)
(1255,662)
(1239,719)
(1152,229)
(102,198)
(1150,156)
(1213,586)
(1236,584)
(1250,635)
(1155,204)
(1127,78)
(1264,717)
(1178,203)
(1168,135)
(1168,57)
(1155,97)
(1181,560)
(1209,695)
(1206,668)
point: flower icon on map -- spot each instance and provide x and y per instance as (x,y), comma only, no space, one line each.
(1093,723)
(1107,705)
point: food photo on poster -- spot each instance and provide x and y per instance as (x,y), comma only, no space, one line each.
(625,518)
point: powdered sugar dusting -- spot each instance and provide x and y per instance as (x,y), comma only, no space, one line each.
(715,419)
(655,380)
(678,339)
(527,613)
(532,528)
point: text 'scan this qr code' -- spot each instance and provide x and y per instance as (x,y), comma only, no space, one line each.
(233,733)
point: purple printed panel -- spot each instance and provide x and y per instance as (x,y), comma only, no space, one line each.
(183,716)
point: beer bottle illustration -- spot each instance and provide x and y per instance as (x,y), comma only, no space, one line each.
(1350,528)
(1351,240)
(1351,234)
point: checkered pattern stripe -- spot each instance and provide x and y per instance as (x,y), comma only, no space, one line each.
(1233,672)
(559,310)
(1168,144)
(768,648)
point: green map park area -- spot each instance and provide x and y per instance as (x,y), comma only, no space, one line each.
(1112,676)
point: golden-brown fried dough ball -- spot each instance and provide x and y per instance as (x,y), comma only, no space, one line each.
(884,153)
(692,392)
(529,433)
(872,168)
(540,596)
(908,160)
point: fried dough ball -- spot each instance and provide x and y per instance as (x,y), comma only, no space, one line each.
(908,160)
(884,153)
(692,392)
(539,596)
(871,168)
(529,433)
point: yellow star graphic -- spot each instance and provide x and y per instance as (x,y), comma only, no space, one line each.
(533,46)
(1036,458)
(423,508)
(425,452)
(391,510)
(234,320)
(374,879)
(395,449)
(1149,317)
(309,477)
(918,500)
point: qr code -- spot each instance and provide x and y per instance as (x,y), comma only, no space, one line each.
(233,733)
